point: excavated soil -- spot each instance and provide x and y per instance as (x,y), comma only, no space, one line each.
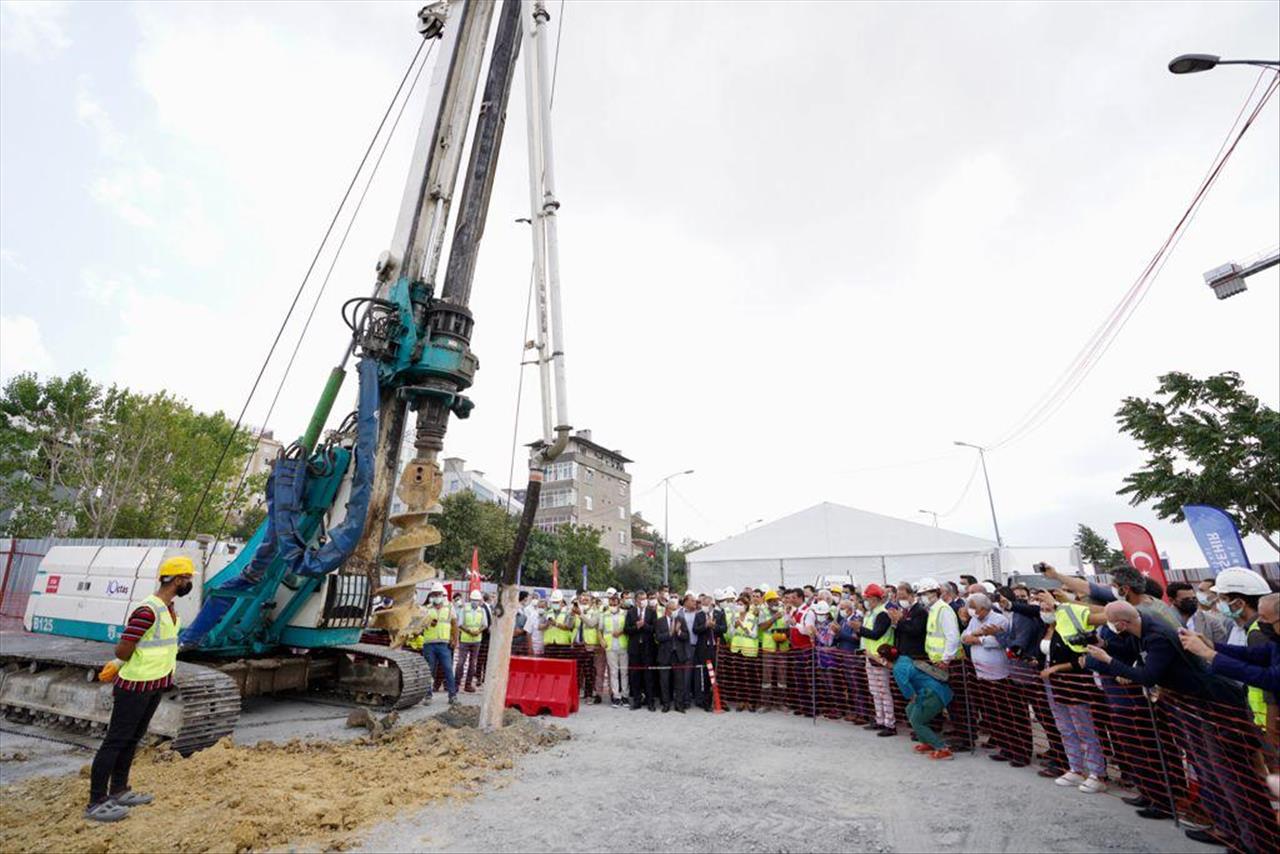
(313,794)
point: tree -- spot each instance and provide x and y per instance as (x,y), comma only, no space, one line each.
(1208,442)
(111,462)
(1095,549)
(467,523)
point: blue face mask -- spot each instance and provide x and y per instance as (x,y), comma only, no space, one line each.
(1226,609)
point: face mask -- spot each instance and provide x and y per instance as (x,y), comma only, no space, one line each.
(1115,591)
(904,603)
(1114,628)
(437,600)
(184,587)
(1227,610)
(1187,607)
(1204,598)
(1048,618)
(641,604)
(931,598)
(613,609)
(628,602)
(822,618)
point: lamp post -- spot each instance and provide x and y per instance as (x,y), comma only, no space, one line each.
(1190,63)
(666,525)
(747,527)
(933,513)
(982,456)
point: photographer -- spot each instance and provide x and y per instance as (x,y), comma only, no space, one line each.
(1071,695)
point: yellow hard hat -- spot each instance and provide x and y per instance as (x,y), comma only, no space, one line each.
(176,565)
(771,596)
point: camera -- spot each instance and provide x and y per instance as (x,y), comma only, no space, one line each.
(1083,639)
(1040,567)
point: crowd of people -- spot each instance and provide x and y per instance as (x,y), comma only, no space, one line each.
(1167,694)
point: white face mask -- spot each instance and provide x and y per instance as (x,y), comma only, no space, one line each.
(436,600)
(931,598)
(1048,617)
(904,603)
(1203,598)
(613,609)
(1113,627)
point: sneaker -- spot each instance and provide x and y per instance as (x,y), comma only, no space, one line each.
(1092,785)
(105,811)
(453,699)
(1071,778)
(129,798)
(922,748)
(944,753)
(426,701)
(887,732)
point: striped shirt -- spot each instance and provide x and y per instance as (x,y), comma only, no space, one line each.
(139,621)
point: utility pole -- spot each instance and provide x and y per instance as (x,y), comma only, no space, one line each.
(982,457)
(666,526)
(932,513)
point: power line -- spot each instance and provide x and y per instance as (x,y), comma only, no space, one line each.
(1105,334)
(213,477)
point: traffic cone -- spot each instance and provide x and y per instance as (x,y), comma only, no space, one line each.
(717,706)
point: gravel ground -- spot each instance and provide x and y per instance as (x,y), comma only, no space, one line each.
(641,781)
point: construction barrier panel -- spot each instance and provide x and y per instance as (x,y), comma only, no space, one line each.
(543,684)
(1202,762)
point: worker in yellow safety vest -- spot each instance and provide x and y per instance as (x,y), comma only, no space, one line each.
(744,650)
(473,619)
(437,640)
(146,657)
(613,643)
(774,644)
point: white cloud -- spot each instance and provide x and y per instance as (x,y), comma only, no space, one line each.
(92,115)
(35,30)
(98,288)
(10,258)
(22,347)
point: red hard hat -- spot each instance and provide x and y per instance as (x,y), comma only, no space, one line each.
(873,590)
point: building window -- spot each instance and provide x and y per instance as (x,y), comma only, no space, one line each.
(587,502)
(622,514)
(622,489)
(622,538)
(588,475)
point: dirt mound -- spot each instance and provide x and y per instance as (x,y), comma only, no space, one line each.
(230,798)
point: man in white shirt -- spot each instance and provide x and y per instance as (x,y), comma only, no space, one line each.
(1004,711)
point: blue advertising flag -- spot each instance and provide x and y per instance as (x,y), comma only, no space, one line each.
(584,576)
(1217,536)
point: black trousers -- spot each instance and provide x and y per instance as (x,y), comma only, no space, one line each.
(130,716)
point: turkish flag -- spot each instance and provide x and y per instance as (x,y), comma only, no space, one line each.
(1140,550)
(473,581)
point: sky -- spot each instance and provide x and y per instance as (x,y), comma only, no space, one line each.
(804,248)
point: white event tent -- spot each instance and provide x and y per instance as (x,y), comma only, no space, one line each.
(831,539)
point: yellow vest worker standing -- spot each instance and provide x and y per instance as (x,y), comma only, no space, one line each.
(613,641)
(472,621)
(146,658)
(437,644)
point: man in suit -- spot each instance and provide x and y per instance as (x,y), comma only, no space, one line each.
(670,642)
(705,628)
(688,689)
(639,631)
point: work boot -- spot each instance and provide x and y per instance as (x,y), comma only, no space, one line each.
(467,689)
(426,701)
(453,699)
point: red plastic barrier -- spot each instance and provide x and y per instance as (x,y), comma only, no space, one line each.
(543,684)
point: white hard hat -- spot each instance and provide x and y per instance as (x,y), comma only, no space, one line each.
(990,586)
(1237,579)
(730,593)
(926,584)
(765,588)
(557,596)
(717,594)
(475,596)
(437,587)
(611,592)
(821,607)
(687,594)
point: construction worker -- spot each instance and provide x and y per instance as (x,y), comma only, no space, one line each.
(876,630)
(472,621)
(1239,591)
(613,642)
(557,634)
(146,657)
(774,645)
(591,640)
(436,642)
(942,646)
(744,650)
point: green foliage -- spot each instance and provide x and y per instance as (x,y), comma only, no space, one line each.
(1095,549)
(90,461)
(1208,442)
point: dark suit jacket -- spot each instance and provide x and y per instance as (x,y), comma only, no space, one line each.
(705,626)
(639,640)
(666,640)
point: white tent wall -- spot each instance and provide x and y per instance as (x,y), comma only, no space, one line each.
(865,569)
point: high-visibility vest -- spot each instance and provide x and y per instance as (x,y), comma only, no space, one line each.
(1071,620)
(610,623)
(472,621)
(869,645)
(744,639)
(591,634)
(935,639)
(442,632)
(156,653)
(769,625)
(1257,700)
(554,635)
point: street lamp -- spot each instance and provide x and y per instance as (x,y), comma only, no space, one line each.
(666,526)
(932,513)
(982,456)
(747,527)
(1190,63)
